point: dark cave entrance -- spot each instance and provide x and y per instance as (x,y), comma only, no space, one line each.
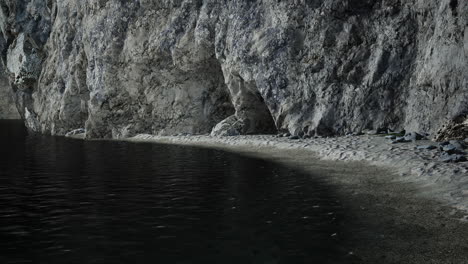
(251,108)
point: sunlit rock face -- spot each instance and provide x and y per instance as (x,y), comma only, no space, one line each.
(324,67)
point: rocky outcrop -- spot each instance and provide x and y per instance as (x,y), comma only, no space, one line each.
(118,68)
(454,129)
(7,104)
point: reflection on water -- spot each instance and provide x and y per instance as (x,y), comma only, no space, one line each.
(71,201)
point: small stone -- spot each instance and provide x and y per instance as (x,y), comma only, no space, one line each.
(372,132)
(413,136)
(426,135)
(444,143)
(286,134)
(452,158)
(391,137)
(452,149)
(76,132)
(400,140)
(294,137)
(458,144)
(428,147)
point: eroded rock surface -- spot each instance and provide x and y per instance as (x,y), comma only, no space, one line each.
(7,105)
(118,68)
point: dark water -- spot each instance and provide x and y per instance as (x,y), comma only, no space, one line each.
(70,201)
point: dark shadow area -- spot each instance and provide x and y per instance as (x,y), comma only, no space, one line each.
(72,201)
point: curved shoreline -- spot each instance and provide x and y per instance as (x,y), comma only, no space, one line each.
(400,205)
(444,182)
(403,207)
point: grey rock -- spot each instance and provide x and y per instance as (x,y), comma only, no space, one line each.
(118,68)
(382,130)
(231,126)
(449,148)
(413,136)
(458,144)
(372,132)
(400,140)
(183,134)
(294,137)
(425,135)
(391,137)
(76,132)
(452,149)
(453,158)
(286,134)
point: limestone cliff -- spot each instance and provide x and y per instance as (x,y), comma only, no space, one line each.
(121,67)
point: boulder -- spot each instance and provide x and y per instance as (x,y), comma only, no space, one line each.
(231,126)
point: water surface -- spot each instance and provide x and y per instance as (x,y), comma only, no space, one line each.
(72,201)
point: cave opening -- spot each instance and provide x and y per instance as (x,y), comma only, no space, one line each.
(251,107)
(453,5)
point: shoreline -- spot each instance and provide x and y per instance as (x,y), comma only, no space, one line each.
(446,183)
(401,205)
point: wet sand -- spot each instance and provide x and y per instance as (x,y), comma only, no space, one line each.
(406,206)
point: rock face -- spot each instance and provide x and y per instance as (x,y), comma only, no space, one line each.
(7,104)
(308,67)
